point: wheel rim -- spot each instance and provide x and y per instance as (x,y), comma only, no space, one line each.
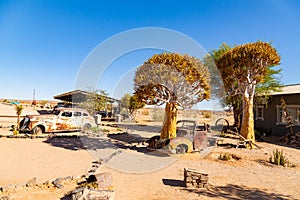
(37,130)
(86,128)
(180,149)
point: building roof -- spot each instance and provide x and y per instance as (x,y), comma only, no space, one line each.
(78,96)
(288,89)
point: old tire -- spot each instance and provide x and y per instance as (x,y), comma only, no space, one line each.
(37,130)
(86,128)
(181,149)
(222,125)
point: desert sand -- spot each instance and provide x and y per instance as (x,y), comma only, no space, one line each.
(251,177)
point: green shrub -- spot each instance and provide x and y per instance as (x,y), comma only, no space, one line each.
(278,158)
(95,129)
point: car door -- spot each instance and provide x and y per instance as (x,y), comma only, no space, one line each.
(78,119)
(66,121)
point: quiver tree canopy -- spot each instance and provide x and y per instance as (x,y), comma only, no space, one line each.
(246,65)
(241,69)
(174,79)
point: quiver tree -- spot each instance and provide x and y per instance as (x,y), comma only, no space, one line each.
(174,79)
(134,104)
(19,109)
(241,69)
(130,103)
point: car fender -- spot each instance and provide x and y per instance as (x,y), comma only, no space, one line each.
(174,142)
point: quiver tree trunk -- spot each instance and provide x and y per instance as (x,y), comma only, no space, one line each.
(170,120)
(247,129)
(18,122)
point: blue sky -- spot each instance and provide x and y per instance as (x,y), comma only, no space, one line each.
(43,43)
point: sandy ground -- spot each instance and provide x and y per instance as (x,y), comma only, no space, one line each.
(251,177)
(24,159)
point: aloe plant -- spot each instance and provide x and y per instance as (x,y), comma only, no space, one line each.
(278,158)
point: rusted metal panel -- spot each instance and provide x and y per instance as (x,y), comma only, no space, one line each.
(200,140)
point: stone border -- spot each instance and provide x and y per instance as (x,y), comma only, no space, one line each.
(58,183)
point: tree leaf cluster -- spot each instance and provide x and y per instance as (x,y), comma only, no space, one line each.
(95,100)
(246,64)
(171,77)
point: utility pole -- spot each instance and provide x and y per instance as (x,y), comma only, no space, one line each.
(33,99)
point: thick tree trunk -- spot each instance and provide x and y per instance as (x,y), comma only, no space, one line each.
(170,120)
(247,129)
(18,122)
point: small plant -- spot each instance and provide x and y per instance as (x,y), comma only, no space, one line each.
(225,156)
(278,158)
(228,156)
(95,129)
(15,130)
(207,114)
(105,130)
(222,134)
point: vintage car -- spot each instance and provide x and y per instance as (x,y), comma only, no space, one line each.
(190,137)
(60,120)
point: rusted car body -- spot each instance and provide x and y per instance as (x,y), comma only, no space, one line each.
(61,119)
(190,137)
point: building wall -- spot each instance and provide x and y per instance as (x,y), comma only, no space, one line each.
(269,123)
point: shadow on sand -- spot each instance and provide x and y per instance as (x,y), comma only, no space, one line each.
(277,141)
(230,192)
(123,141)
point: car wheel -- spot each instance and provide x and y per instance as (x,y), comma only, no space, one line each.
(86,128)
(181,149)
(37,130)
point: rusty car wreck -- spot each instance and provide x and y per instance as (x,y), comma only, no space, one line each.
(190,137)
(59,120)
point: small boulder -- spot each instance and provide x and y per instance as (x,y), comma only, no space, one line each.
(31,183)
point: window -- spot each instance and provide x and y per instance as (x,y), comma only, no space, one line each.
(77,114)
(67,114)
(56,112)
(293,111)
(259,113)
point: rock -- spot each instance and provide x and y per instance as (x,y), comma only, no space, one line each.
(48,184)
(31,183)
(105,180)
(68,178)
(58,180)
(91,194)
(96,165)
(20,187)
(58,183)
(8,188)
(93,170)
(5,197)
